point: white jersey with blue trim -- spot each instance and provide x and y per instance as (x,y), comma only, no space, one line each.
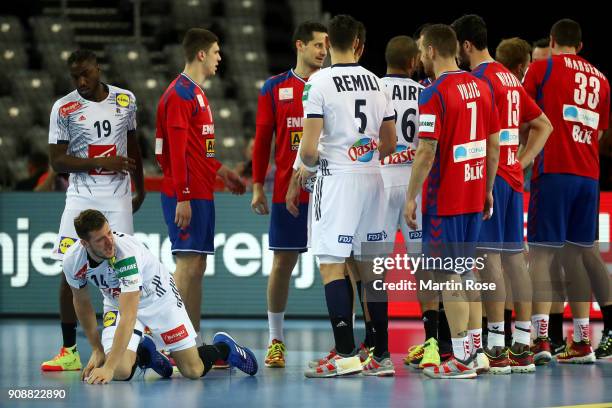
(404,94)
(95,129)
(353,104)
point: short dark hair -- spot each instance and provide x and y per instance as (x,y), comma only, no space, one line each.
(343,30)
(419,30)
(304,31)
(542,43)
(442,38)
(197,39)
(566,33)
(512,52)
(87,221)
(400,50)
(361,32)
(472,28)
(79,56)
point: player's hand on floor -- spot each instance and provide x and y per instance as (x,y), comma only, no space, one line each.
(96,360)
(118,163)
(102,375)
(182,218)
(488,207)
(259,203)
(410,214)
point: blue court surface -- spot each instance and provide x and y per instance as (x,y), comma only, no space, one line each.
(26,343)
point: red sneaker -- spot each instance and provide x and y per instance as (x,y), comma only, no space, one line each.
(578,353)
(220,365)
(499,364)
(541,351)
(522,363)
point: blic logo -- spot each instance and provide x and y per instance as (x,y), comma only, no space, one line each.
(403,155)
(363,150)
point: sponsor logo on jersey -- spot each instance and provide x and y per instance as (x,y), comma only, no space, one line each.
(295,122)
(65,243)
(102,151)
(208,129)
(68,108)
(210,147)
(285,94)
(175,335)
(82,118)
(586,117)
(110,318)
(82,273)
(427,123)
(123,100)
(295,137)
(415,234)
(508,137)
(469,151)
(126,267)
(377,236)
(305,92)
(403,155)
(200,99)
(345,239)
(474,172)
(363,150)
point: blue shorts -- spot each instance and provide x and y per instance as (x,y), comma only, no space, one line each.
(453,236)
(288,233)
(504,230)
(563,208)
(199,236)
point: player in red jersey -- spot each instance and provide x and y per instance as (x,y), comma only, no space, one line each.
(455,167)
(185,150)
(279,114)
(501,237)
(564,189)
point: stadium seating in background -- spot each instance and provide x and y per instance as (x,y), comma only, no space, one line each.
(13,59)
(51,30)
(127,59)
(147,88)
(243,8)
(190,13)
(36,89)
(11,31)
(54,59)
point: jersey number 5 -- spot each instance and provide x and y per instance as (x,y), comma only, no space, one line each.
(359,103)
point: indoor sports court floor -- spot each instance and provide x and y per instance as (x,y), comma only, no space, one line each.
(25,343)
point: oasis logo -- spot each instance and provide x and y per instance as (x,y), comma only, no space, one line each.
(363,150)
(345,239)
(403,155)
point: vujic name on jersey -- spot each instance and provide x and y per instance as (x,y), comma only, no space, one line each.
(352,83)
(405,93)
(469,90)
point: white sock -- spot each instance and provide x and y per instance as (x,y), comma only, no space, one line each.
(199,341)
(475,336)
(581,329)
(495,339)
(522,333)
(354,315)
(275,324)
(540,325)
(461,348)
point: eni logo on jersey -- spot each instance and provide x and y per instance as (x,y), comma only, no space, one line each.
(295,137)
(65,243)
(123,100)
(363,150)
(210,148)
(403,155)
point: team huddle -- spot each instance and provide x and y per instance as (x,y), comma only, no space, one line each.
(358,157)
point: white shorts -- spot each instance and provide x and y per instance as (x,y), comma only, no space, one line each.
(347,210)
(169,324)
(118,220)
(394,216)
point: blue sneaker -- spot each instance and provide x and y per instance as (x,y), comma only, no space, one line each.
(240,357)
(158,362)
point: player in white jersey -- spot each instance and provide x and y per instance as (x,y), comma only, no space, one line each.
(348,121)
(92,136)
(138,292)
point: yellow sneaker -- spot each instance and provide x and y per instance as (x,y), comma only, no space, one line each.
(275,357)
(414,353)
(68,359)
(431,355)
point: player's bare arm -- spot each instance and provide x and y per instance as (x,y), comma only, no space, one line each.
(425,155)
(492,162)
(259,203)
(310,141)
(128,307)
(387,138)
(87,317)
(62,162)
(539,129)
(232,180)
(293,194)
(133,151)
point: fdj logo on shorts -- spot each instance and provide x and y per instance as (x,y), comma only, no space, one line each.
(403,155)
(345,239)
(210,148)
(363,150)
(295,137)
(377,236)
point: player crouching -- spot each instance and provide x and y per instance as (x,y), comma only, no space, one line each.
(138,291)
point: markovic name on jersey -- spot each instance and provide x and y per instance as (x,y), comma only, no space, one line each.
(354,83)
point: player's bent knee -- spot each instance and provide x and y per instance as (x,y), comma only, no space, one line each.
(193,371)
